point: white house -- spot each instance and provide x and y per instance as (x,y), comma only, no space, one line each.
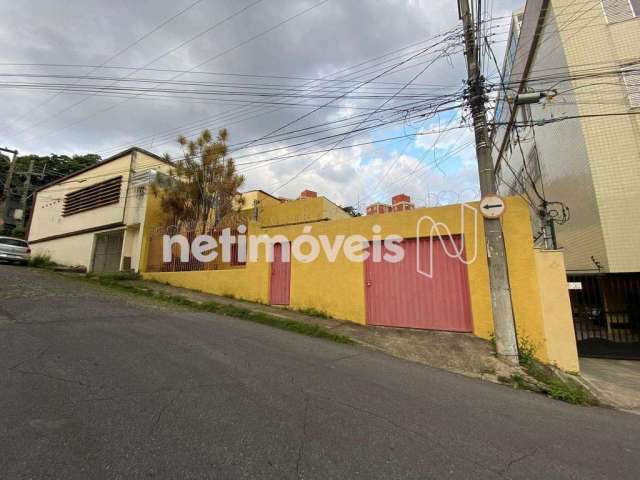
(94,217)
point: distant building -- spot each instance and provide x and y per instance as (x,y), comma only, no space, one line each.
(399,203)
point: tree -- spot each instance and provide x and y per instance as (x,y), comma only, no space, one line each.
(46,169)
(205,184)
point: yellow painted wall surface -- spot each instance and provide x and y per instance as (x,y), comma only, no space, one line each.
(300,211)
(338,288)
(259,196)
(538,282)
(559,334)
(522,275)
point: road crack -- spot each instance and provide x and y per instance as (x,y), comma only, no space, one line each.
(304,435)
(164,409)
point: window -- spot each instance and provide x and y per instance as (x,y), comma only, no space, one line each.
(632,82)
(92,197)
(621,10)
(14,242)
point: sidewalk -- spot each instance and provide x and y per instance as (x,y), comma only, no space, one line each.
(460,353)
(616,382)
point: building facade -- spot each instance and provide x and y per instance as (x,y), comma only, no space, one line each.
(455,297)
(582,147)
(576,154)
(94,217)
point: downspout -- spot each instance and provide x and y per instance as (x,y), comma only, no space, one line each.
(134,156)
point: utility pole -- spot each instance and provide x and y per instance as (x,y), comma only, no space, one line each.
(503,320)
(25,194)
(6,193)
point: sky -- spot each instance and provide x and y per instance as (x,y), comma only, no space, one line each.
(359,63)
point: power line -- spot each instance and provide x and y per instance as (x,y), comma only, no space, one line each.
(112,57)
(169,52)
(382,105)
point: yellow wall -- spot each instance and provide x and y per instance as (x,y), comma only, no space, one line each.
(300,211)
(337,288)
(559,345)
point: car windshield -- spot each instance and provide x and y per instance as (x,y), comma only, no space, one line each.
(14,242)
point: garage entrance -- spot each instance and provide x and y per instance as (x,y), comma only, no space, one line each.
(107,252)
(398,296)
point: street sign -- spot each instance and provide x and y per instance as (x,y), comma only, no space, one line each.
(492,206)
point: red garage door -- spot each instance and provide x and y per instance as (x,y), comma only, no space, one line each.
(398,296)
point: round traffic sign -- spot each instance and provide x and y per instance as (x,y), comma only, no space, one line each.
(492,206)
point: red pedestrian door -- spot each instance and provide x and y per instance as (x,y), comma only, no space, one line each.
(280,277)
(398,296)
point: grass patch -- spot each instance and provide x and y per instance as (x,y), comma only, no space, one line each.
(115,277)
(41,260)
(547,380)
(311,330)
(565,389)
(312,312)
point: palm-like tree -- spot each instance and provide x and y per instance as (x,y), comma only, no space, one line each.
(205,186)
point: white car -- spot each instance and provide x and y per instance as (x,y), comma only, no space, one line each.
(14,250)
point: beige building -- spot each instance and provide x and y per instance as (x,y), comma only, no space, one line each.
(94,217)
(581,148)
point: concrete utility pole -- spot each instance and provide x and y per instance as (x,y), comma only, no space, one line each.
(25,194)
(4,205)
(504,325)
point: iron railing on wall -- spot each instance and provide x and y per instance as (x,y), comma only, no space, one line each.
(155,256)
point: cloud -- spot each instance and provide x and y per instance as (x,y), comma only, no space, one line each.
(327,39)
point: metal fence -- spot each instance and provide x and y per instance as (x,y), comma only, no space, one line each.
(157,263)
(606,315)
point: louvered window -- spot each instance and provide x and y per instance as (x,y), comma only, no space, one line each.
(92,197)
(632,82)
(621,10)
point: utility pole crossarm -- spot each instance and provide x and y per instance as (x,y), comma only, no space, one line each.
(503,320)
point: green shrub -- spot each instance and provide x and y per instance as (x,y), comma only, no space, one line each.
(41,260)
(565,389)
(527,351)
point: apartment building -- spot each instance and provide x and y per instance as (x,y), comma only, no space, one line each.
(580,146)
(399,203)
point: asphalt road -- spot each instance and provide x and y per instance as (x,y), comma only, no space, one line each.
(97,385)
